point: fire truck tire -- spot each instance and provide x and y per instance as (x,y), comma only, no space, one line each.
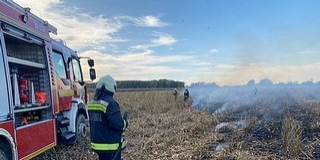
(5,152)
(81,128)
(3,156)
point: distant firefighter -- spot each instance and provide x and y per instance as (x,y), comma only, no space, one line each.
(187,102)
(175,93)
(186,94)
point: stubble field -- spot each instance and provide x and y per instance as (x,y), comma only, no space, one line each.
(161,128)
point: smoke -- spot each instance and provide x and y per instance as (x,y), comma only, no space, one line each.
(264,100)
(238,125)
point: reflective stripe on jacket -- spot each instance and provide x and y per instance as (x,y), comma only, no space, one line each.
(110,147)
(98,106)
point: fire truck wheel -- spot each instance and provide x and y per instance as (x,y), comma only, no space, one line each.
(81,128)
(5,152)
(3,156)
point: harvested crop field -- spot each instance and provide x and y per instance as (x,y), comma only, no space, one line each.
(163,129)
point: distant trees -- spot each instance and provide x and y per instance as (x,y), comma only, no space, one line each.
(161,83)
(203,84)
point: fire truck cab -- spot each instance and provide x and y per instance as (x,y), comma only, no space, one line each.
(43,90)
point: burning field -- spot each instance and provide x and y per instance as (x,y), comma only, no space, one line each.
(244,122)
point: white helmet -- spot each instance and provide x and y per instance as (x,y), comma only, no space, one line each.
(109,83)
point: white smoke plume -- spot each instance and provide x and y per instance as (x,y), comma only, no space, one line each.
(262,99)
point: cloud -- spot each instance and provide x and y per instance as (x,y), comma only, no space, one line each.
(74,25)
(83,31)
(161,40)
(148,21)
(164,40)
(38,7)
(141,46)
(144,21)
(142,65)
(214,51)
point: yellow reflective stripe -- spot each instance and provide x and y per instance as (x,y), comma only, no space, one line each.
(97,107)
(124,144)
(66,92)
(40,151)
(107,146)
(99,102)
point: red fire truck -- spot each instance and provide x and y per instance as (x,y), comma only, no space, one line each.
(43,97)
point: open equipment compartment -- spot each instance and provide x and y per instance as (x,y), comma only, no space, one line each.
(30,79)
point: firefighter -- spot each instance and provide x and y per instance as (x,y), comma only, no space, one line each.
(186,94)
(186,100)
(175,93)
(106,122)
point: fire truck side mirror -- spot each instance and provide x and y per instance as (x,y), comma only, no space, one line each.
(92,73)
(91,62)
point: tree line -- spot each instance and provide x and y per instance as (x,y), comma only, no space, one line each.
(161,83)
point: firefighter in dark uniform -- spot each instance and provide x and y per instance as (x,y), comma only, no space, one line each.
(186,94)
(106,121)
(186,100)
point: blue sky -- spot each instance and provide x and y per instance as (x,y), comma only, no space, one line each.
(225,41)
